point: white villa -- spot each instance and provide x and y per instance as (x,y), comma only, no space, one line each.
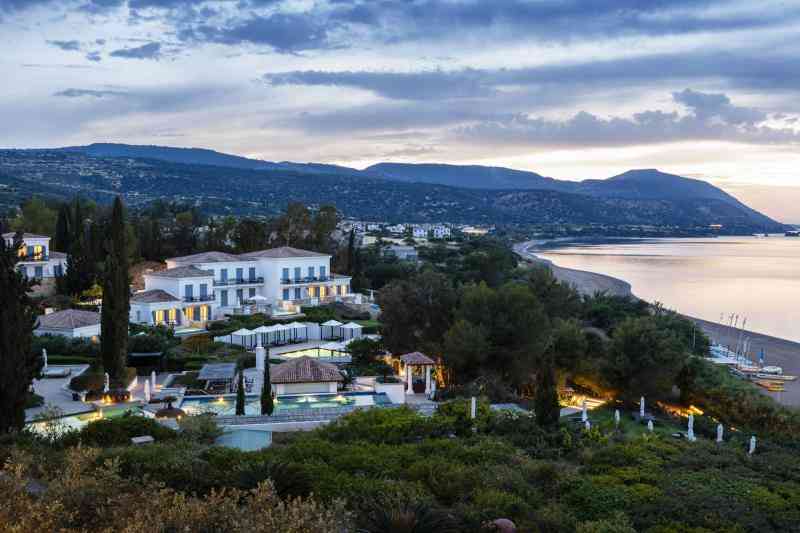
(36,259)
(206,286)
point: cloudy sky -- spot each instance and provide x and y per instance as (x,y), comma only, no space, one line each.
(572,89)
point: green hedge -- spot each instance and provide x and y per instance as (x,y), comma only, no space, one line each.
(59,345)
(70,360)
(96,380)
(119,431)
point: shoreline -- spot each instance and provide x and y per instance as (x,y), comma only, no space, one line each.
(779,352)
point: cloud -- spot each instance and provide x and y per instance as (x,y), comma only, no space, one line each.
(430,85)
(69,46)
(94,56)
(285,33)
(83,93)
(146,51)
(709,117)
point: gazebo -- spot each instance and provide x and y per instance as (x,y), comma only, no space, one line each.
(331,324)
(218,375)
(417,359)
(242,333)
(353,329)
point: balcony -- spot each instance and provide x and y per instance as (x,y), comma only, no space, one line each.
(235,282)
(35,258)
(194,299)
(311,279)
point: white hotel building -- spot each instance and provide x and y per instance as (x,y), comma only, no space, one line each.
(36,260)
(206,286)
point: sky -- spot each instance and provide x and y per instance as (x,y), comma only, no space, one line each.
(572,89)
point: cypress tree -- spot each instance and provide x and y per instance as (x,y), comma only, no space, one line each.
(115,313)
(18,366)
(63,236)
(267,405)
(546,407)
(240,394)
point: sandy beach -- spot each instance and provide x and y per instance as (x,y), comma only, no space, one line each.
(778,352)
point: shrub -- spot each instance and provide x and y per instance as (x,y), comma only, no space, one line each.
(247,360)
(60,345)
(197,344)
(109,432)
(146,344)
(200,428)
(70,360)
(92,381)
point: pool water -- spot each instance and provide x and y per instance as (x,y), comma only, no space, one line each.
(78,421)
(226,405)
(247,440)
(320,353)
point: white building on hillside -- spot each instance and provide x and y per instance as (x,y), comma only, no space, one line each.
(205,286)
(441,232)
(36,258)
(419,232)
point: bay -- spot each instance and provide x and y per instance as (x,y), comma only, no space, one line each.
(756,278)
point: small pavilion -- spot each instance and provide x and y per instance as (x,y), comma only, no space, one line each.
(417,360)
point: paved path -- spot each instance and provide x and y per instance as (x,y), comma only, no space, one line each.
(54,396)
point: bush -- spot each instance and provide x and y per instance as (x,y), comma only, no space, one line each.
(247,360)
(200,428)
(69,360)
(146,344)
(92,381)
(109,432)
(197,344)
(59,345)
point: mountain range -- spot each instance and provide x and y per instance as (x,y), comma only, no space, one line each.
(410,192)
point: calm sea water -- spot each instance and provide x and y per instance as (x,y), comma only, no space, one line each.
(754,277)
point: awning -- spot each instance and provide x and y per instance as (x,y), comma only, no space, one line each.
(332,324)
(242,333)
(352,325)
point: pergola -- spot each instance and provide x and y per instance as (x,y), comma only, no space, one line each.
(418,359)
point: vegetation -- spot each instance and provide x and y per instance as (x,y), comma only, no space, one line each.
(115,314)
(19,365)
(267,402)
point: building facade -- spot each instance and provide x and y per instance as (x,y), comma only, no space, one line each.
(36,260)
(206,286)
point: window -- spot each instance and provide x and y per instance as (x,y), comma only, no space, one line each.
(204,290)
(285,275)
(188,291)
(223,298)
(223,274)
(285,294)
(297,273)
(38,272)
(323,272)
(173,316)
(252,273)
(204,313)
(297,293)
(239,296)
(58,270)
(159,316)
(251,292)
(138,315)
(189,312)
(310,272)
(239,274)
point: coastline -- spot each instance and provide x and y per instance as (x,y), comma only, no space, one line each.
(779,352)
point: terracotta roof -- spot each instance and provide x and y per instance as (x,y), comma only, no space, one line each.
(304,370)
(181,272)
(69,319)
(11,235)
(417,358)
(284,252)
(208,257)
(153,296)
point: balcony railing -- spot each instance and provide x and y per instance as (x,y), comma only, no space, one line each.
(206,298)
(310,279)
(236,281)
(34,258)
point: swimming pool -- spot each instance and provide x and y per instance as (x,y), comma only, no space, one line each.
(245,439)
(60,425)
(226,405)
(321,353)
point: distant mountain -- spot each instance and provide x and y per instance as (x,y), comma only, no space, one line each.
(224,183)
(200,156)
(470,176)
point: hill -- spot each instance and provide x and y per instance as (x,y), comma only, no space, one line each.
(221,183)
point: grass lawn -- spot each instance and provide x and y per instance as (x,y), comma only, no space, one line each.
(604,418)
(368,323)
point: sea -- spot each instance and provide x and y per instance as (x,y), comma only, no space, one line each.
(751,282)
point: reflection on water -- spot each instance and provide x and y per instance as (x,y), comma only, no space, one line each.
(754,277)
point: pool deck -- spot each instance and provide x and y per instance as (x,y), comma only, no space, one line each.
(54,394)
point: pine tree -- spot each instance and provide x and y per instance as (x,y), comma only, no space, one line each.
(267,405)
(18,365)
(115,313)
(546,407)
